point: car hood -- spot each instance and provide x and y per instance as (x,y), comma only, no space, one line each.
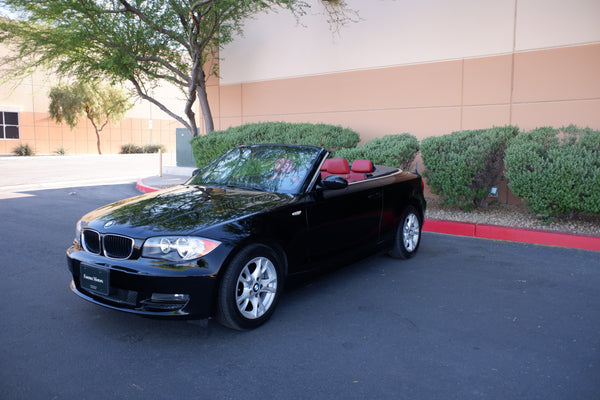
(180,210)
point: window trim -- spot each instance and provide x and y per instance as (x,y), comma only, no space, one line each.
(4,125)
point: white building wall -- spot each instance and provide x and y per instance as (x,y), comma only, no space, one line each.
(543,24)
(404,32)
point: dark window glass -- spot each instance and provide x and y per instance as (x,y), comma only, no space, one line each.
(11,132)
(11,118)
(9,125)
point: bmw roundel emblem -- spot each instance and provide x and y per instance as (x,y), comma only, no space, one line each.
(109,224)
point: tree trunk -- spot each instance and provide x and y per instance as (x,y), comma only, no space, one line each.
(95,130)
(205,107)
(98,141)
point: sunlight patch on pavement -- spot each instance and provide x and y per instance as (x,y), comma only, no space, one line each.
(69,184)
(13,195)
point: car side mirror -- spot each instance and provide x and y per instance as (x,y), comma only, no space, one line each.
(334,182)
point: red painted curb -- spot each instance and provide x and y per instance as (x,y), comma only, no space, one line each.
(562,239)
(143,187)
(449,227)
(523,235)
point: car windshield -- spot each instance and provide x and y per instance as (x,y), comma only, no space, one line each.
(281,169)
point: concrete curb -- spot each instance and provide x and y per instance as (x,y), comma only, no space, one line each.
(485,231)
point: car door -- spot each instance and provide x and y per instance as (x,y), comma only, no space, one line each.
(343,223)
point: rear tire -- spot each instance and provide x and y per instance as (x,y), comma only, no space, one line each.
(408,234)
(250,288)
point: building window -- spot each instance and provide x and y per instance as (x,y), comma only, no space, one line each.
(9,125)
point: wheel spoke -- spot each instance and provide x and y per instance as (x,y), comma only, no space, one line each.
(269,280)
(265,267)
(257,269)
(246,277)
(257,308)
(243,304)
(246,293)
(268,289)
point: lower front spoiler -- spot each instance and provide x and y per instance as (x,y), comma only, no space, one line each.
(174,313)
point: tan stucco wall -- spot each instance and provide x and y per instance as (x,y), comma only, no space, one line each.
(529,89)
(44,136)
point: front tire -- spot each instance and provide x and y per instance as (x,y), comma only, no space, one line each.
(250,288)
(408,234)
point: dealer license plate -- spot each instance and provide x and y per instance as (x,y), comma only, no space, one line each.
(95,279)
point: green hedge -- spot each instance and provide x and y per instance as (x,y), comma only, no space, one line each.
(391,150)
(207,147)
(461,167)
(556,171)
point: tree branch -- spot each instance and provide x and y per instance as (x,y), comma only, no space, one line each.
(185,78)
(144,96)
(154,26)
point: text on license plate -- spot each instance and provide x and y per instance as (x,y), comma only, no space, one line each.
(95,279)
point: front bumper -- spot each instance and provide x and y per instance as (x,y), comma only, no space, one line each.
(138,287)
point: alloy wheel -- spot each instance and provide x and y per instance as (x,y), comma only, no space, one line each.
(256,288)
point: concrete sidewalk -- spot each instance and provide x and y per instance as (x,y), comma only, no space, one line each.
(172,176)
(52,172)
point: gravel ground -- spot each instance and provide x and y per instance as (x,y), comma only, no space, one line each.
(516,216)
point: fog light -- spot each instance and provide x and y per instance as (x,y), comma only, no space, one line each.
(170,297)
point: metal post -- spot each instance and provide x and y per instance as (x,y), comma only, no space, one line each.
(160,169)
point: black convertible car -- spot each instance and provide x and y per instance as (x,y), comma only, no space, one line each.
(223,243)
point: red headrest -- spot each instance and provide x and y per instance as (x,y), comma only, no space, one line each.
(324,166)
(284,166)
(364,166)
(338,166)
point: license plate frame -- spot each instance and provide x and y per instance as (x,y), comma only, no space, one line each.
(94,279)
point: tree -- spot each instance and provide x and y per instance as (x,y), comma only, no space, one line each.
(145,42)
(100,103)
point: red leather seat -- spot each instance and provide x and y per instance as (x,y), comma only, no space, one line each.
(335,166)
(361,169)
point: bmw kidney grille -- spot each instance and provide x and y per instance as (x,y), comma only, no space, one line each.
(113,246)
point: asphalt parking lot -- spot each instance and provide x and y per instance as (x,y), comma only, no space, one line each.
(465,319)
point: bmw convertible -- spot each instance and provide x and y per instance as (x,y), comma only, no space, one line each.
(222,244)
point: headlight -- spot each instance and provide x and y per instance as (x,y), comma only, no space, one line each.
(177,248)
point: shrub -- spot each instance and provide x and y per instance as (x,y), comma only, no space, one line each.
(134,149)
(61,151)
(23,150)
(556,171)
(391,150)
(153,148)
(462,167)
(207,147)
(130,149)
